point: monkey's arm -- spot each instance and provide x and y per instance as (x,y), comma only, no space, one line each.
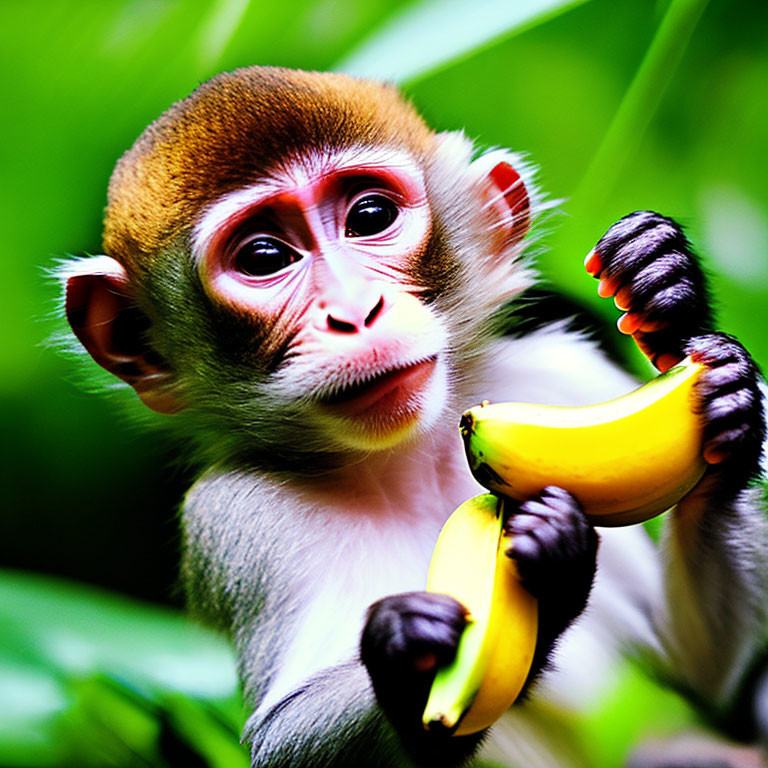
(716,542)
(716,588)
(331,719)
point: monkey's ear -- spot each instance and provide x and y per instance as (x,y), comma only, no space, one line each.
(108,323)
(505,195)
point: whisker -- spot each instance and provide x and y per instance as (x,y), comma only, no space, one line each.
(518,226)
(504,222)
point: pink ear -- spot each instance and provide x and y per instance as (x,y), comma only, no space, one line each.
(108,323)
(508,199)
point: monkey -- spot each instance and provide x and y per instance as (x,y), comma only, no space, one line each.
(308,280)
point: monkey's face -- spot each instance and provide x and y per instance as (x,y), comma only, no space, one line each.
(300,264)
(325,252)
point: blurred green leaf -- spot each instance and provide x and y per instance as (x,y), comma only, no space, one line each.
(107,727)
(203,727)
(90,678)
(219,29)
(32,700)
(434,33)
(78,629)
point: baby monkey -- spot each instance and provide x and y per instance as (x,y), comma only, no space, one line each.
(310,278)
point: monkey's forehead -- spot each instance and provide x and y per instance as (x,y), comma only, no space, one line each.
(233,130)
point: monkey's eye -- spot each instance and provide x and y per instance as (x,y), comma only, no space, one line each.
(261,256)
(370,215)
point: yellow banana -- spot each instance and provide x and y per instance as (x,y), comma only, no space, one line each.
(625,460)
(496,647)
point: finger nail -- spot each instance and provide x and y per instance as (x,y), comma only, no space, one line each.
(623,299)
(606,287)
(713,456)
(592,263)
(629,323)
(425,662)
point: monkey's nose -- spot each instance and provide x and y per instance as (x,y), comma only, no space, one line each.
(353,318)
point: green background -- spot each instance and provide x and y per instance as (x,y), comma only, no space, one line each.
(622,105)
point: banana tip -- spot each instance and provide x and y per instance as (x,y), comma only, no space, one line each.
(439,723)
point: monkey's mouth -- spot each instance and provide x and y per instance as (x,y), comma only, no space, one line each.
(382,389)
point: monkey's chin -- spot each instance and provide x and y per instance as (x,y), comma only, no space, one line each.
(390,409)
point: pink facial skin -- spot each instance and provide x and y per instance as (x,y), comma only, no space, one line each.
(288,251)
(306,208)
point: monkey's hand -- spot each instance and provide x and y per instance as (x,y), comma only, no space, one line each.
(405,639)
(731,404)
(555,549)
(648,265)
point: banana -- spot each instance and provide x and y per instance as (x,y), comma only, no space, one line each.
(496,647)
(625,460)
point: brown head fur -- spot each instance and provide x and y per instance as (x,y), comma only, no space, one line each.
(228,133)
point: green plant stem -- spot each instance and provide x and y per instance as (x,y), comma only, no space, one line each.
(636,109)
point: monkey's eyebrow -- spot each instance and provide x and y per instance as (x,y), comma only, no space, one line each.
(311,166)
(225,208)
(362,157)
